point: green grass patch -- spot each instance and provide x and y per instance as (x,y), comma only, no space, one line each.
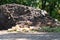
(49,29)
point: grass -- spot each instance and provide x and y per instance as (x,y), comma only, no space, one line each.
(49,29)
(42,29)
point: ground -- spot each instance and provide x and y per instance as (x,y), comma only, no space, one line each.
(4,35)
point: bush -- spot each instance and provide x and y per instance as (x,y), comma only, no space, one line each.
(51,6)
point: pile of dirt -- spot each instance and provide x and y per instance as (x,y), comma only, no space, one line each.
(13,14)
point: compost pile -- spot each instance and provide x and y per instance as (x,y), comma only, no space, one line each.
(13,14)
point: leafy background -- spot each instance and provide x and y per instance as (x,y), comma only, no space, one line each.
(51,6)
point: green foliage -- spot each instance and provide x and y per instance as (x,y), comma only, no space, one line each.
(49,29)
(51,6)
